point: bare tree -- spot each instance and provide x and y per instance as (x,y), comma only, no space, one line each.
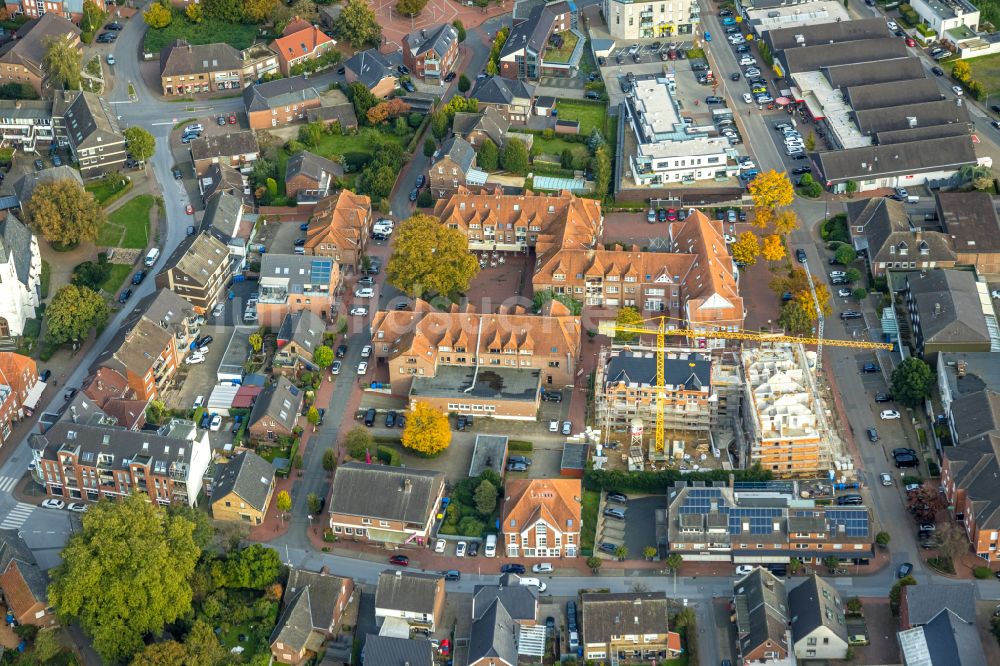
(954,542)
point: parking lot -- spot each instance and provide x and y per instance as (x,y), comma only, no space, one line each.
(193,380)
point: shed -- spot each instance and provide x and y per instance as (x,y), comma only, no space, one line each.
(245,396)
(490,452)
(574,460)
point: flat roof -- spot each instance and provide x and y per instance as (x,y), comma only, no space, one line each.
(490,383)
(793,16)
(574,456)
(834,108)
(237,351)
(488,453)
(656,111)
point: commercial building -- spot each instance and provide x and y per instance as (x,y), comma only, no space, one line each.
(340,228)
(430,53)
(763,523)
(21,58)
(290,283)
(647,20)
(782,423)
(236,149)
(76,461)
(20,275)
(627,627)
(771,16)
(541,517)
(199,271)
(187,69)
(242,489)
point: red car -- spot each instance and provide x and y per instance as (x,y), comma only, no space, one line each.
(232,118)
(189,210)
(446,647)
(910,42)
(671,215)
(400,560)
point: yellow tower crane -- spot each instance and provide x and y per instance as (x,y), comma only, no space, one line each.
(658,326)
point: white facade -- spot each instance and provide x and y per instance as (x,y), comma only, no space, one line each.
(944,15)
(541,539)
(201,456)
(648,20)
(18,293)
(822,643)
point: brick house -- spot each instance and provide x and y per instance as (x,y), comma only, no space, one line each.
(236,149)
(315,610)
(280,102)
(296,47)
(763,621)
(382,504)
(453,168)
(430,53)
(522,54)
(199,271)
(19,390)
(512,99)
(290,283)
(340,228)
(541,517)
(373,71)
(416,600)
(187,69)
(242,489)
(309,177)
(299,335)
(21,58)
(23,583)
(275,412)
(628,627)
(478,128)
(70,9)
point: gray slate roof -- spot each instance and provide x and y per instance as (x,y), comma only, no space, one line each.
(409,591)
(182,58)
(888,231)
(280,92)
(26,185)
(970,219)
(976,414)
(499,90)
(618,614)
(370,67)
(898,116)
(944,641)
(123,446)
(29,47)
(382,492)
(872,162)
(814,604)
(893,93)
(530,35)
(14,549)
(924,602)
(248,476)
(489,121)
(222,178)
(948,306)
(90,121)
(438,39)
(521,601)
(15,243)
(812,58)
(222,215)
(826,33)
(635,369)
(890,69)
(225,145)
(460,152)
(493,635)
(281,401)
(295,624)
(765,601)
(303,328)
(390,651)
(312,166)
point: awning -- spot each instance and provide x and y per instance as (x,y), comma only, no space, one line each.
(34,393)
(782,101)
(814,106)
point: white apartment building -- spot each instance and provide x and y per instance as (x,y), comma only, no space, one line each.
(945,15)
(648,20)
(20,275)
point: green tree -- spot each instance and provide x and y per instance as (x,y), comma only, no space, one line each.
(425,199)
(464,84)
(594,563)
(361,97)
(203,646)
(124,547)
(313,502)
(673,561)
(429,257)
(850,187)
(410,7)
(204,531)
(882,539)
(165,653)
(627,316)
(601,166)
(323,356)
(312,416)
(912,381)
(64,213)
(429,147)
(439,124)
(795,319)
(157,16)
(329,460)
(845,255)
(649,552)
(894,591)
(486,497)
(621,552)
(256,566)
(488,157)
(157,412)
(566,159)
(854,606)
(311,133)
(358,24)
(46,646)
(514,157)
(228,11)
(460,29)
(62,61)
(358,442)
(92,16)
(193,13)
(140,143)
(595,140)
(852,275)
(73,312)
(91,274)
(811,141)
(831,562)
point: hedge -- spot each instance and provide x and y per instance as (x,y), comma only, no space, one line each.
(520,445)
(661,481)
(388,456)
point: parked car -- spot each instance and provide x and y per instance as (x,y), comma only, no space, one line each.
(872,435)
(363,368)
(904,570)
(77,507)
(390,419)
(335,368)
(370,418)
(611,512)
(512,568)
(567,427)
(400,560)
(52,503)
(608,548)
(889,415)
(216,423)
(341,351)
(870,368)
(460,549)
(883,397)
(473,550)
(800,255)
(440,545)
(620,498)
(452,574)
(138,277)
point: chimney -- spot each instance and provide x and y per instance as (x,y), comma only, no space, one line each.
(72,409)
(918,233)
(407,485)
(17,104)
(960,368)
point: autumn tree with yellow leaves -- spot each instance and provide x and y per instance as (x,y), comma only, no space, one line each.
(746,249)
(773,249)
(772,193)
(427,430)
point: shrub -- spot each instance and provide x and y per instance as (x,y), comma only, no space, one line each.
(388,456)
(982,573)
(520,445)
(471,527)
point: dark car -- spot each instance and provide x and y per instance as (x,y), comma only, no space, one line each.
(550,625)
(138,277)
(661,215)
(453,574)
(403,69)
(571,614)
(551,396)
(414,194)
(124,296)
(401,421)
(207,340)
(450,77)
(872,435)
(420,181)
(68,395)
(400,560)
(237,420)
(602,61)
(473,549)
(299,242)
(798,171)
(906,461)
(206,417)
(460,422)
(390,419)
(522,460)
(177,173)
(714,99)
(608,548)
(937,71)
(904,570)
(621,498)
(883,397)
(850,500)
(408,86)
(850,314)
(870,367)
(800,256)
(798,156)
(341,351)
(190,231)
(370,418)
(39,165)
(44,377)
(735,76)
(512,568)
(592,94)
(904,451)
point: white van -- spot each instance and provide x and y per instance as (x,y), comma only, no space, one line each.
(152,256)
(534,582)
(491,546)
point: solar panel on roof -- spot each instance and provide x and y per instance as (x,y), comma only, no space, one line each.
(321,270)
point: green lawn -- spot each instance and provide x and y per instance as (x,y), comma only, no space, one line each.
(128,226)
(555,146)
(589,114)
(209,31)
(588,519)
(986,70)
(562,53)
(104,190)
(336,144)
(116,278)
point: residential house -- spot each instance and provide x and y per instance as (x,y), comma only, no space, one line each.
(316,605)
(339,228)
(970,221)
(294,48)
(477,128)
(946,313)
(943,17)
(280,102)
(90,126)
(947,640)
(423,343)
(187,69)
(152,342)
(258,62)
(290,283)
(70,9)
(762,619)
(275,413)
(819,626)
(199,271)
(21,58)
(299,335)
(20,275)
(512,99)
(112,395)
(493,638)
(763,525)
(392,651)
(25,122)
(881,228)
(236,149)
(954,370)
(372,70)
(378,503)
(919,607)
(223,219)
(519,601)
(219,178)
(541,517)
(454,168)
(242,489)
(416,599)
(336,109)
(23,583)
(430,53)
(309,177)
(19,390)
(77,461)
(627,627)
(26,184)
(522,55)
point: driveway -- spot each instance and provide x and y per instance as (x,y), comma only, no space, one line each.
(640,523)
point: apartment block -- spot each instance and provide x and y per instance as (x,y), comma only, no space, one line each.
(199,271)
(340,228)
(290,283)
(21,58)
(628,19)
(77,461)
(19,390)
(23,122)
(628,627)
(187,69)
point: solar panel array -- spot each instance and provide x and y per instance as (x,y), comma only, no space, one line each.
(320,270)
(855,521)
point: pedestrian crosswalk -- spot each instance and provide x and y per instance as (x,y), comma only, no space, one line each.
(7,483)
(17,516)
